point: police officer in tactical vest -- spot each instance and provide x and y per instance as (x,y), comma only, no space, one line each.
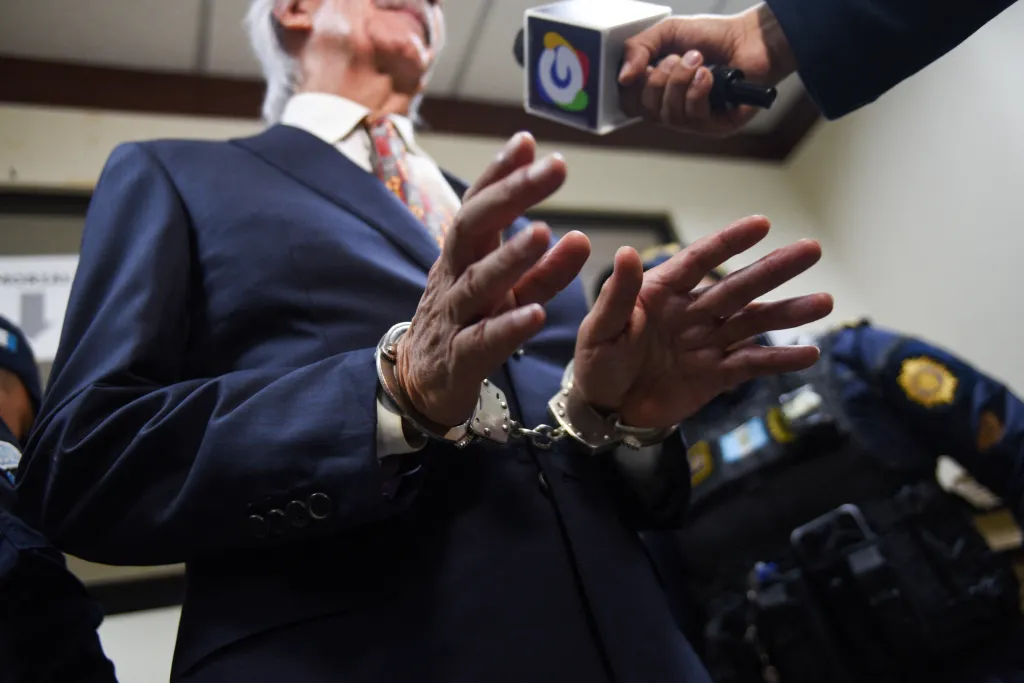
(821,548)
(48,620)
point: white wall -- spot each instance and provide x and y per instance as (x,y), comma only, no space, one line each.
(920,198)
(141,644)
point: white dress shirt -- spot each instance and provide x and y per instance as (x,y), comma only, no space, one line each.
(336,121)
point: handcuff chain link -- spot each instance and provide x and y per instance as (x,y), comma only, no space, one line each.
(542,436)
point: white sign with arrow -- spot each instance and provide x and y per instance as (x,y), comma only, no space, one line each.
(34,293)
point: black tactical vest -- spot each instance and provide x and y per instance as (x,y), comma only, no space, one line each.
(808,557)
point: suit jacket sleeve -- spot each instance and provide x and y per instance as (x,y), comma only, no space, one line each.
(944,404)
(134,461)
(850,52)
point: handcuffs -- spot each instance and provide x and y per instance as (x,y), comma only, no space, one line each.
(492,421)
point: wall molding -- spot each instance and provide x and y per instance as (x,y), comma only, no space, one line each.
(65,84)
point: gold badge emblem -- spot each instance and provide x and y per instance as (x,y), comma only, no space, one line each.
(699,456)
(927,382)
(990,430)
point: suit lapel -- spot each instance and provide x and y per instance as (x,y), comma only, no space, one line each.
(319,166)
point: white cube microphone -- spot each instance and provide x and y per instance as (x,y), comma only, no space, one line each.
(572,54)
(572,51)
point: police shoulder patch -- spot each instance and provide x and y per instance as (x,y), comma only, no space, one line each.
(927,382)
(990,430)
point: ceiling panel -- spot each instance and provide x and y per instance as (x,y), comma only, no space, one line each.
(154,34)
(229,53)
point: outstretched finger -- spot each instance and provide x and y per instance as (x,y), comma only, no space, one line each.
(749,362)
(484,285)
(684,271)
(519,151)
(482,347)
(616,300)
(491,210)
(758,318)
(555,271)
(738,289)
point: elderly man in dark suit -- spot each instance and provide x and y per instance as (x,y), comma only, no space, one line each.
(356,499)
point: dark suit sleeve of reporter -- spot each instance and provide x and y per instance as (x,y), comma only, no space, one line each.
(651,487)
(850,52)
(132,461)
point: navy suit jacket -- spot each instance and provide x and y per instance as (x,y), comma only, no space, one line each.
(216,369)
(850,52)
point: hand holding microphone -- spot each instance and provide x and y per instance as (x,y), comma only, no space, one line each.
(603,65)
(679,91)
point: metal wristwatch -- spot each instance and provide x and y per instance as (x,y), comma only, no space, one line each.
(491,419)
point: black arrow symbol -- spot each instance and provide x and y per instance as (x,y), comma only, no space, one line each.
(33,319)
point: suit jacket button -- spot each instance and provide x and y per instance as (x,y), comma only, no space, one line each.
(297,514)
(257,526)
(320,506)
(277,521)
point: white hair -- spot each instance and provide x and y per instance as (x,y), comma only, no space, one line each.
(281,70)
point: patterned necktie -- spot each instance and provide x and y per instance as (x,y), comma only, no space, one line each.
(388,156)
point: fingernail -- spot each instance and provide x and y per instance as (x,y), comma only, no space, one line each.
(528,312)
(516,140)
(626,72)
(539,168)
(510,146)
(698,77)
(692,59)
(525,235)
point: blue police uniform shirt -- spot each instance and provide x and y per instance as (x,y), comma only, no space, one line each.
(48,620)
(908,398)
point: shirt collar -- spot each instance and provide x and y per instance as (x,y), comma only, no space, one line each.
(332,118)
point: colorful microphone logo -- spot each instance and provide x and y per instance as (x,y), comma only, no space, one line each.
(562,74)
